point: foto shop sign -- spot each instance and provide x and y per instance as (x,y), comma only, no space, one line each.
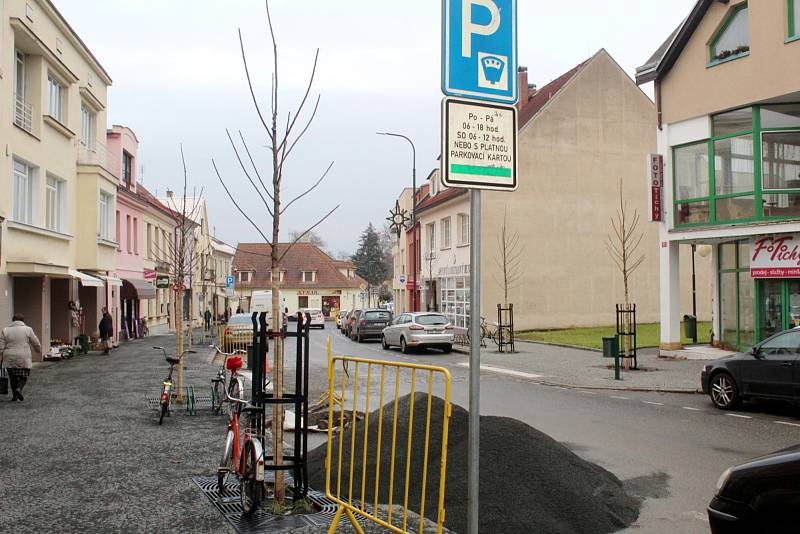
(656,187)
(775,256)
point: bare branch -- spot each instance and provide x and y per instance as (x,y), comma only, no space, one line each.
(305,129)
(310,189)
(237,205)
(301,236)
(241,164)
(305,98)
(255,168)
(249,81)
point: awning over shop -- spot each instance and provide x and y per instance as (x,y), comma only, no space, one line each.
(112,280)
(85,279)
(143,288)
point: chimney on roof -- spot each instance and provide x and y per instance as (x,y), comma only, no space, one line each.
(522,74)
(169,193)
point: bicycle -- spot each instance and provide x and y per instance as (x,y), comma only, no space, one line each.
(243,454)
(168,385)
(220,384)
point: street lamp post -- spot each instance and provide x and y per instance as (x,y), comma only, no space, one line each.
(413,215)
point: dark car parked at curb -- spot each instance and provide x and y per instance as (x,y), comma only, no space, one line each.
(770,370)
(370,324)
(761,495)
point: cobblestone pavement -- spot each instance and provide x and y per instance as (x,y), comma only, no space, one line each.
(84,453)
(586,368)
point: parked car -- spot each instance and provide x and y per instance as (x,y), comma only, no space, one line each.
(317,317)
(770,370)
(352,317)
(238,332)
(761,495)
(419,329)
(341,319)
(370,324)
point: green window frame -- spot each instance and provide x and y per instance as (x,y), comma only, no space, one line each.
(739,273)
(721,203)
(794,20)
(715,57)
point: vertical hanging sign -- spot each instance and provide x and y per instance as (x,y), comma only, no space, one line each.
(656,162)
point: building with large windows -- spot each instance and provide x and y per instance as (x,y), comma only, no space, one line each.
(728,100)
(58,183)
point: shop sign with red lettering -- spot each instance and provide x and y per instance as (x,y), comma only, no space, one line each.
(775,256)
(656,187)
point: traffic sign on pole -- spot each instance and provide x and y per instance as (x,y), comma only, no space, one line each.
(479,49)
(479,145)
(229,281)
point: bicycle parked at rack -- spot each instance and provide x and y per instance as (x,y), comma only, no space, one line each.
(244,452)
(220,384)
(167,385)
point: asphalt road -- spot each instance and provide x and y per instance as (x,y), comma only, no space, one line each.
(669,448)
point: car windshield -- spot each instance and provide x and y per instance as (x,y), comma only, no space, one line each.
(378,316)
(240,319)
(432,320)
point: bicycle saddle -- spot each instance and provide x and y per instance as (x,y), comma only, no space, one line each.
(173,360)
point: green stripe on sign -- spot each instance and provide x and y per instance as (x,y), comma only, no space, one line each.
(481,171)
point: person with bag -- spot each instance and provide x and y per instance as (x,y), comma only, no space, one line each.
(106,328)
(16,342)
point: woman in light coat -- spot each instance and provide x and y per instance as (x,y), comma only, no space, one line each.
(16,342)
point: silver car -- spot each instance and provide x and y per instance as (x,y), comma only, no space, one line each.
(419,329)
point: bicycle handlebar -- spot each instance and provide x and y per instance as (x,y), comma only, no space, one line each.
(236,351)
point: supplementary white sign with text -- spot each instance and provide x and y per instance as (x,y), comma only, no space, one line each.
(479,145)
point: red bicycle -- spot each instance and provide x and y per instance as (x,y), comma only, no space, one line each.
(244,453)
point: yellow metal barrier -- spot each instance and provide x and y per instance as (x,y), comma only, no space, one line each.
(232,338)
(349,393)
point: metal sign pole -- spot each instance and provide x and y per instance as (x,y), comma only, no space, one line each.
(474,359)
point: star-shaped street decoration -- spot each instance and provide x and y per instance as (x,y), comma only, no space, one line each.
(398,219)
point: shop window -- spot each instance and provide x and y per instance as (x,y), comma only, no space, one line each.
(727,256)
(781,205)
(693,213)
(747,316)
(780,152)
(728,306)
(735,208)
(733,40)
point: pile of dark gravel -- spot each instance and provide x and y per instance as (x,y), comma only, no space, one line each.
(529,482)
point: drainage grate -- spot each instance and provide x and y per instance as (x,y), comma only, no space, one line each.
(262,521)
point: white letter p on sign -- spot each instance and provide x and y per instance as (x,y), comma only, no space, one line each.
(468,28)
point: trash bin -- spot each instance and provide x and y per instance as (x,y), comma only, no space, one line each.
(690,327)
(610,347)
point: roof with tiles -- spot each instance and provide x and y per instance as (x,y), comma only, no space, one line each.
(255,257)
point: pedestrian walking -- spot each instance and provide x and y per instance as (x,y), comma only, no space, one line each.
(16,342)
(106,328)
(207,319)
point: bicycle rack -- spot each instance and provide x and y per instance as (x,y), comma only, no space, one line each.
(505,328)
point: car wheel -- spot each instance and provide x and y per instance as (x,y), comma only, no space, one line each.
(403,346)
(722,390)
(384,344)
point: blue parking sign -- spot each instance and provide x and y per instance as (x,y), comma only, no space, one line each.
(480,49)
(229,280)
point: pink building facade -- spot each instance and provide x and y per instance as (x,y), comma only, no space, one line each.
(128,303)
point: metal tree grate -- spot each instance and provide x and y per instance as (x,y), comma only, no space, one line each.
(230,507)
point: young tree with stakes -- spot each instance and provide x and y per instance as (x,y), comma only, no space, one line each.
(509,259)
(622,245)
(281,142)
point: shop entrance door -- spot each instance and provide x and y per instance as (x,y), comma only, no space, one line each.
(779,306)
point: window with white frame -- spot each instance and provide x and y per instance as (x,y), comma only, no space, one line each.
(431,233)
(57,94)
(245,277)
(445,224)
(19,76)
(454,299)
(88,126)
(309,276)
(55,193)
(105,209)
(463,229)
(23,193)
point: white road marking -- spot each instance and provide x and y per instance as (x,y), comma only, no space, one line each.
(620,398)
(691,409)
(740,416)
(787,423)
(654,403)
(500,370)
(587,392)
(559,387)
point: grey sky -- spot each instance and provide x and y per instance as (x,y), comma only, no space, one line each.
(178,77)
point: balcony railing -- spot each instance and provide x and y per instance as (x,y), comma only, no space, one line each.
(97,154)
(23,113)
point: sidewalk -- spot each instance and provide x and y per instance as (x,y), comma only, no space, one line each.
(583,368)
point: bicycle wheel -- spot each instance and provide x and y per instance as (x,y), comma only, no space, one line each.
(235,391)
(226,463)
(217,396)
(251,490)
(164,410)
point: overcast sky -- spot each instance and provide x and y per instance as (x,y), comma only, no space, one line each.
(178,78)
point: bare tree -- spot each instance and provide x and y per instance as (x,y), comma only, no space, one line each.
(622,245)
(180,254)
(281,140)
(509,259)
(430,258)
